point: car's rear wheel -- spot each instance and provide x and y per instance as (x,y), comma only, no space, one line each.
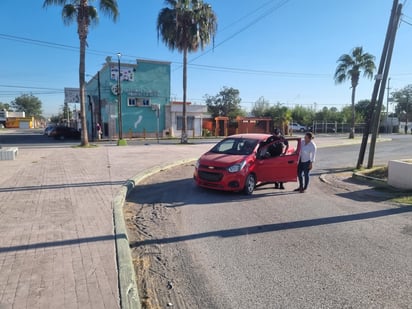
(250,184)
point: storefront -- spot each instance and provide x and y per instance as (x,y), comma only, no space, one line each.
(144,93)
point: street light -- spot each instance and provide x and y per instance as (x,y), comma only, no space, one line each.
(119,99)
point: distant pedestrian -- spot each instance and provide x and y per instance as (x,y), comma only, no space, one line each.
(307,157)
(99,131)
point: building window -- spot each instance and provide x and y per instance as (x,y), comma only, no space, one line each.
(138,102)
(190,122)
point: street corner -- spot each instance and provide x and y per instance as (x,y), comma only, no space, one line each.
(340,179)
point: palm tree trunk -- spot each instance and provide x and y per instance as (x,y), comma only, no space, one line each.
(184,120)
(84,133)
(352,124)
(82,31)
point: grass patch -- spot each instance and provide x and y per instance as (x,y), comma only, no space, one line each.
(121,142)
(380,172)
(405,200)
(88,146)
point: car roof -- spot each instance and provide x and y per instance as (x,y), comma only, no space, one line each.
(258,136)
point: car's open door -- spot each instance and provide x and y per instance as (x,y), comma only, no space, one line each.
(281,168)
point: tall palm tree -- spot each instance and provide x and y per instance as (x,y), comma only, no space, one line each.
(186,25)
(350,67)
(84,14)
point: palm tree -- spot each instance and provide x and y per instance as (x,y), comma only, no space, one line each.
(85,15)
(350,67)
(186,25)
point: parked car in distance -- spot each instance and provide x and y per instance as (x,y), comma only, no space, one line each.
(62,133)
(242,162)
(48,129)
(297,127)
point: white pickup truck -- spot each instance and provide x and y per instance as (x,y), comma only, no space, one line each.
(297,127)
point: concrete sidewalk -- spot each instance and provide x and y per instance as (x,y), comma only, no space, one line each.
(57,247)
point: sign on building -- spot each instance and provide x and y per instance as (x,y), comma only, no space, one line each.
(126,73)
(71,95)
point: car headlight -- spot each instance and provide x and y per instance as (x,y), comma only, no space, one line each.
(237,167)
(197,164)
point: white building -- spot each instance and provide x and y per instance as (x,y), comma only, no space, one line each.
(174,119)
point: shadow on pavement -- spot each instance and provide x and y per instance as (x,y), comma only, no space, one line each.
(60,243)
(276,227)
(62,186)
(367,195)
(176,193)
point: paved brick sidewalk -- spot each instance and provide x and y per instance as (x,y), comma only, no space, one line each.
(57,247)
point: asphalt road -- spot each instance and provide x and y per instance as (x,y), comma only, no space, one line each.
(346,247)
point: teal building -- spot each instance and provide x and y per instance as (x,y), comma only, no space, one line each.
(144,93)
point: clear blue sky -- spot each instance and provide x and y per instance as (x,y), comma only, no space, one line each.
(296,43)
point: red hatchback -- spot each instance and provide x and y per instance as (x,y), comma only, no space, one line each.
(243,161)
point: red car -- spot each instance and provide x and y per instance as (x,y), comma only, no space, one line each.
(243,161)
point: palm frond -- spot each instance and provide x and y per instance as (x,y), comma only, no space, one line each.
(92,15)
(109,8)
(351,65)
(47,3)
(69,14)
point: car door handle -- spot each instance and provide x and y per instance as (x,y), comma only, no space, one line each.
(291,161)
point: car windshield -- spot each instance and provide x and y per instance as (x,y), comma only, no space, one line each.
(235,146)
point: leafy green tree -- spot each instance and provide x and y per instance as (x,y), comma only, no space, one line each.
(260,107)
(186,25)
(31,105)
(362,110)
(5,106)
(225,103)
(403,100)
(350,66)
(303,115)
(280,115)
(84,15)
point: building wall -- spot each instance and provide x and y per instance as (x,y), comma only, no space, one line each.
(196,112)
(145,84)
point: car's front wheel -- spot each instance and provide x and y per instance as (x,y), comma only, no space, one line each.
(250,184)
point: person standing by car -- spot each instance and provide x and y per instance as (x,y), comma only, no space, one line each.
(284,146)
(307,157)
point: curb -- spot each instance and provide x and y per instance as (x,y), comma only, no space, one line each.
(323,179)
(128,292)
(375,181)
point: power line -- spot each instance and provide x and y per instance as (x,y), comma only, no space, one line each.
(246,16)
(244,28)
(29,87)
(197,66)
(263,72)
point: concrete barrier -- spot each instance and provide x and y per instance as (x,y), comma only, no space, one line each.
(8,153)
(400,174)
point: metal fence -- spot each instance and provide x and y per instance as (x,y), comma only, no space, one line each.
(335,127)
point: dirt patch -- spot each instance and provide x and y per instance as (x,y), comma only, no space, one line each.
(165,271)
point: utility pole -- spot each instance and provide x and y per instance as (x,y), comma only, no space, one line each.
(378,80)
(387,105)
(375,124)
(119,99)
(99,114)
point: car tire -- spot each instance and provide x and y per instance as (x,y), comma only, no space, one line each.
(61,137)
(302,130)
(250,184)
